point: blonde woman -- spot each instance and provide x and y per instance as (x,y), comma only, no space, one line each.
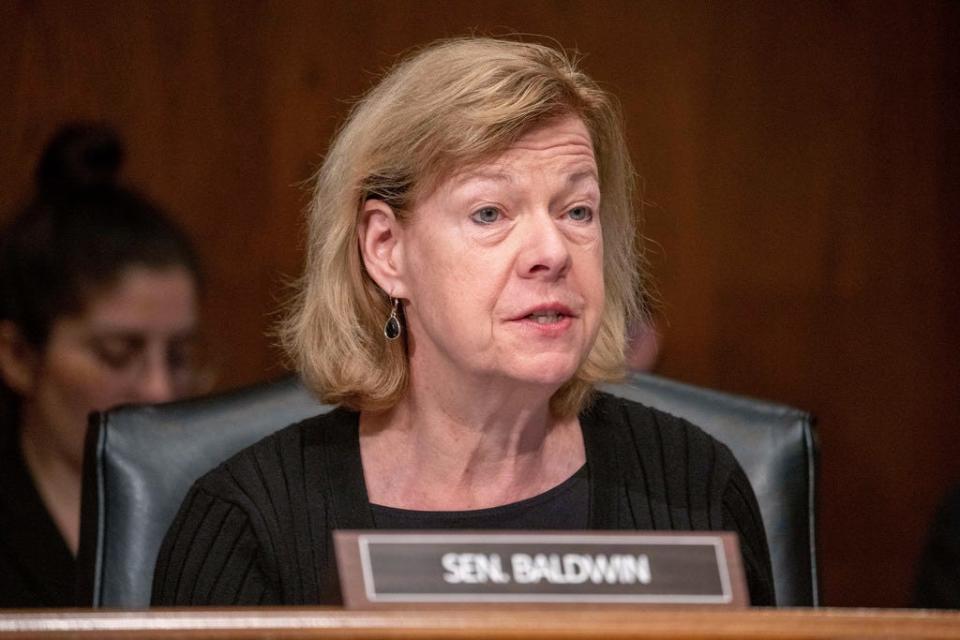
(471,273)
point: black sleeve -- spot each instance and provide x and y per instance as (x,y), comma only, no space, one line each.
(742,515)
(211,556)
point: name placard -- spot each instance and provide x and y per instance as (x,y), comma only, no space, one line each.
(397,568)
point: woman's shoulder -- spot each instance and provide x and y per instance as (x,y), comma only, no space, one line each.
(281,457)
(648,431)
(680,477)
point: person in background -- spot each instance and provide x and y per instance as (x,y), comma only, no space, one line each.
(643,347)
(98,307)
(471,273)
(938,576)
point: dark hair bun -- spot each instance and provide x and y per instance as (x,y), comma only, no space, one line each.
(80,157)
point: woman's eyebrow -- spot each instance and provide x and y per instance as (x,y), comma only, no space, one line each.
(496,175)
(111,333)
(128,340)
(584,175)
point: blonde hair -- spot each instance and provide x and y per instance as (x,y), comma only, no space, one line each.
(453,103)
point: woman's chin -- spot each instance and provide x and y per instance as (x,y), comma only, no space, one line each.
(545,372)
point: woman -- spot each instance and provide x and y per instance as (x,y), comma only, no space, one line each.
(471,273)
(98,307)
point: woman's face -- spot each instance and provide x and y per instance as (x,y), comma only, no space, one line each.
(503,265)
(132,344)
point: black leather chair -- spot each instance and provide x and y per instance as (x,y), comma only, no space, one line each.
(140,462)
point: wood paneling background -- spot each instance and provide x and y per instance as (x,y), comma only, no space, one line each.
(798,158)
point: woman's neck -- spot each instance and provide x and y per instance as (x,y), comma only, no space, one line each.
(57,479)
(441,453)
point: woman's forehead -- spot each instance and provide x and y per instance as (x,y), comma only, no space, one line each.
(562,145)
(145,297)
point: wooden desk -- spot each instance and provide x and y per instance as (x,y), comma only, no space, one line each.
(487,624)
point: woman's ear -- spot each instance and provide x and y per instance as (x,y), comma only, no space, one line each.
(381,245)
(18,360)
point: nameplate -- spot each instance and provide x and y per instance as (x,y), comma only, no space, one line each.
(398,568)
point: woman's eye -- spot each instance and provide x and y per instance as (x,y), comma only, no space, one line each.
(487,215)
(116,356)
(580,214)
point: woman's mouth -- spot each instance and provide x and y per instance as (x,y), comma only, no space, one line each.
(546,317)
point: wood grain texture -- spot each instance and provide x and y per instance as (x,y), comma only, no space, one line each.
(491,624)
(800,158)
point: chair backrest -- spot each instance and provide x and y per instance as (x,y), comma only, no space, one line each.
(141,461)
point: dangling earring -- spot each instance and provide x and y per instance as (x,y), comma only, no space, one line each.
(393,328)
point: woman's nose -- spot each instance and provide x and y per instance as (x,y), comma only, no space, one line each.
(156,383)
(545,252)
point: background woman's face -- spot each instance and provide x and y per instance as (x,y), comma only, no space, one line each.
(132,344)
(504,264)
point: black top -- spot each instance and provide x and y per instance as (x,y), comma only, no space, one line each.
(565,507)
(36,567)
(257,529)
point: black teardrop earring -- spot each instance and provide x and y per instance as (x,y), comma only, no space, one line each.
(393,328)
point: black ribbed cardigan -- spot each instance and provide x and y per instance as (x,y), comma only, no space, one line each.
(257,529)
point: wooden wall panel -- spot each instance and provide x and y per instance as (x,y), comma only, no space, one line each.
(797,158)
